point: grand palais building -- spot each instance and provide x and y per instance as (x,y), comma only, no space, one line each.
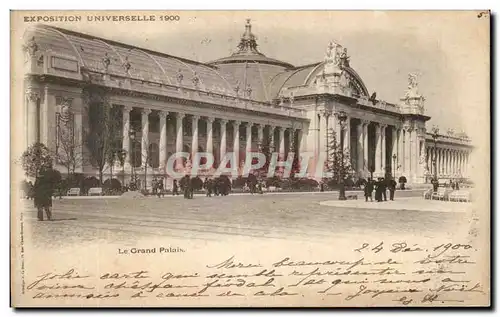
(173,104)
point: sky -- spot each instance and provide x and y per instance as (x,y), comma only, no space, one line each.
(449,50)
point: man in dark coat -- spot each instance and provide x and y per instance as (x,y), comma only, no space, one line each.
(43,191)
(187,186)
(368,190)
(378,190)
(175,188)
(435,184)
(392,187)
(384,187)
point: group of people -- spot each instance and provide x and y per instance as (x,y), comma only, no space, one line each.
(381,185)
(220,186)
(452,184)
(157,186)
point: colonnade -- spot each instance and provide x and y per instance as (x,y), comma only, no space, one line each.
(406,147)
(277,144)
(447,162)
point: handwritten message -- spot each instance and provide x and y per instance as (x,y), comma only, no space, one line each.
(397,273)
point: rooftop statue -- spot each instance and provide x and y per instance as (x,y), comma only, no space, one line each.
(31,47)
(412,90)
(344,58)
(332,55)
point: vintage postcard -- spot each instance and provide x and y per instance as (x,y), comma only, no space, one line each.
(250,158)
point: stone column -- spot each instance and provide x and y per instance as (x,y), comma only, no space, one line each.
(291,141)
(179,145)
(194,139)
(361,137)
(394,149)
(422,150)
(347,134)
(443,157)
(447,161)
(236,142)
(407,169)
(145,136)
(248,139)
(126,134)
(271,134)
(163,139)
(223,136)
(384,152)
(400,168)
(462,162)
(44,119)
(323,132)
(282,142)
(365,124)
(260,134)
(210,135)
(451,162)
(302,137)
(415,154)
(32,97)
(378,150)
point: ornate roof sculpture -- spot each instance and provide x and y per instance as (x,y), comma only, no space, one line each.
(315,74)
(247,51)
(413,101)
(247,66)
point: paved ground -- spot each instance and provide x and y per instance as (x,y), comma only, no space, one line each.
(300,216)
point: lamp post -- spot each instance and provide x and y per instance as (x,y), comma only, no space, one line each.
(342,117)
(131,134)
(394,165)
(435,135)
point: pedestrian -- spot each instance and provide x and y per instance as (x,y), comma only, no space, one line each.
(186,184)
(209,187)
(435,184)
(368,190)
(456,186)
(392,188)
(175,188)
(378,190)
(43,191)
(384,188)
(160,191)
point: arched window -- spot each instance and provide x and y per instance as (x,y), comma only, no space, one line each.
(154,153)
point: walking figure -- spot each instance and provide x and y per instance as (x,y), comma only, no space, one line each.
(368,190)
(175,188)
(160,190)
(208,186)
(43,191)
(392,188)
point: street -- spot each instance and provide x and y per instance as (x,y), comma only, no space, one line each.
(269,216)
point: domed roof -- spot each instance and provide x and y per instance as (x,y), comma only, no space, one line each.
(307,75)
(249,71)
(94,53)
(247,52)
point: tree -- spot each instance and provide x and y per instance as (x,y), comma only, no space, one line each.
(102,132)
(338,161)
(121,154)
(36,158)
(266,148)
